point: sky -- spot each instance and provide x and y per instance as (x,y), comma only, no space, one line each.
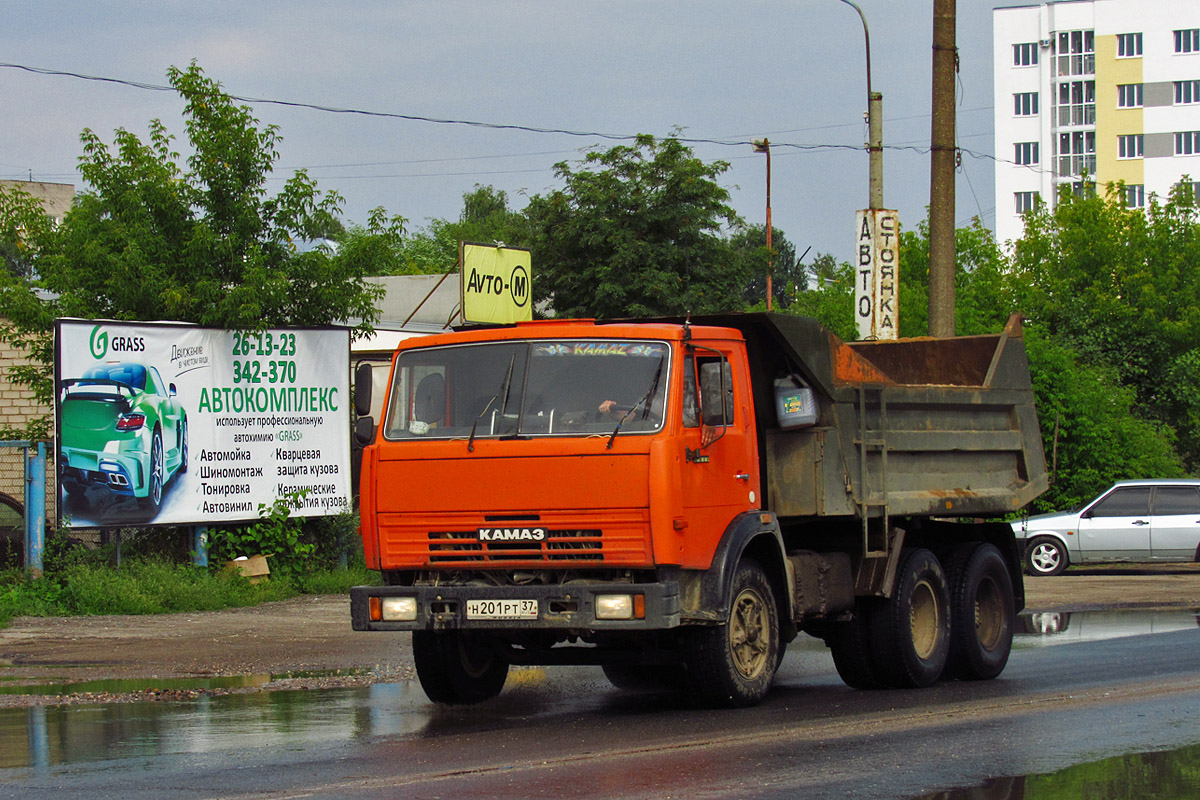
(792,71)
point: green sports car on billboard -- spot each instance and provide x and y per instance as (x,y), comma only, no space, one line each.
(122,428)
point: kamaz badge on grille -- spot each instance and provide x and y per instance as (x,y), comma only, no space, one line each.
(512,534)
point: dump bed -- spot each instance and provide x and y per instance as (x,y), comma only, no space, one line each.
(937,427)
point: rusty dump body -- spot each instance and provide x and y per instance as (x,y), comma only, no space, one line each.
(913,427)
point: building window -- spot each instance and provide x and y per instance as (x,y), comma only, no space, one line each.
(1129,45)
(1189,190)
(1129,95)
(1027,201)
(1187,41)
(1077,103)
(1025,104)
(1076,53)
(1083,188)
(1187,92)
(1135,196)
(1026,153)
(1076,153)
(1130,146)
(1025,54)
(1187,143)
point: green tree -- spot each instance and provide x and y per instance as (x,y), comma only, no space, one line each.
(199,241)
(27,236)
(830,298)
(1121,287)
(485,219)
(203,242)
(636,230)
(788,276)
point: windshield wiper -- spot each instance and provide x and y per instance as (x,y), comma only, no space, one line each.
(645,413)
(502,393)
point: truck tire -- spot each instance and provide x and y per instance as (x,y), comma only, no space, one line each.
(982,611)
(731,665)
(910,631)
(1045,556)
(458,668)
(644,677)
(850,644)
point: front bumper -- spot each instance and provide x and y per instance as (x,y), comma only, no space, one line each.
(561,607)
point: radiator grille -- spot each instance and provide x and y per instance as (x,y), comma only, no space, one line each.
(452,547)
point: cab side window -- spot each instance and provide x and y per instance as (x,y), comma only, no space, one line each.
(710,399)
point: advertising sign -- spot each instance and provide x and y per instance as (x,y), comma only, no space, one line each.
(877,246)
(174,424)
(495,284)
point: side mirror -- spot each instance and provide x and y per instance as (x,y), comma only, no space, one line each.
(364,430)
(363,383)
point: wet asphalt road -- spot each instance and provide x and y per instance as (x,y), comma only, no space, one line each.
(565,733)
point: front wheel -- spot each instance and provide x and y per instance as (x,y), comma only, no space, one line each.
(910,631)
(458,668)
(731,665)
(1045,556)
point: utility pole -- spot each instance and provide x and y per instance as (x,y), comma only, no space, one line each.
(764,146)
(943,162)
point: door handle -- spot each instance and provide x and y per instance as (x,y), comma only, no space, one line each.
(1140,522)
(742,476)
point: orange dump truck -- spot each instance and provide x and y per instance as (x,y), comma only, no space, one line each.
(676,500)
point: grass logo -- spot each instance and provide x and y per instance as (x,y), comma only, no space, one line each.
(98,343)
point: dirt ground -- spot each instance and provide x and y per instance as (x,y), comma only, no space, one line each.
(307,642)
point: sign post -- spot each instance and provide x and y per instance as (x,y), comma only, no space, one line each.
(877,253)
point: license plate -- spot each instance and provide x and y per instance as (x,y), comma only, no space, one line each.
(502,609)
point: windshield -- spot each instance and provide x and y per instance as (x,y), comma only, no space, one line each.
(529,388)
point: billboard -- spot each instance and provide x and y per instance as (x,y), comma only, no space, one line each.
(160,423)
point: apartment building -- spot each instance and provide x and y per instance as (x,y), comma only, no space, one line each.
(1092,92)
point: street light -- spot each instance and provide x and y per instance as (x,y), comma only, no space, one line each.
(764,146)
(874,125)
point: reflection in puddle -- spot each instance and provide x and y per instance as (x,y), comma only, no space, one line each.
(44,736)
(132,685)
(1167,774)
(1056,627)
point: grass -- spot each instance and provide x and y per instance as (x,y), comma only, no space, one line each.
(149,585)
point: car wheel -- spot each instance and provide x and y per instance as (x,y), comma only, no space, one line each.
(1045,556)
(153,498)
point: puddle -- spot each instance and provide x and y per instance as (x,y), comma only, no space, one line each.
(1165,774)
(1057,627)
(46,736)
(133,685)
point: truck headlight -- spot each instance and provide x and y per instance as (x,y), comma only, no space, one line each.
(399,609)
(620,606)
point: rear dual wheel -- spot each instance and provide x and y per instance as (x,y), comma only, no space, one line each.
(982,611)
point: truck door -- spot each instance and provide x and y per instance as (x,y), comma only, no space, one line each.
(720,469)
